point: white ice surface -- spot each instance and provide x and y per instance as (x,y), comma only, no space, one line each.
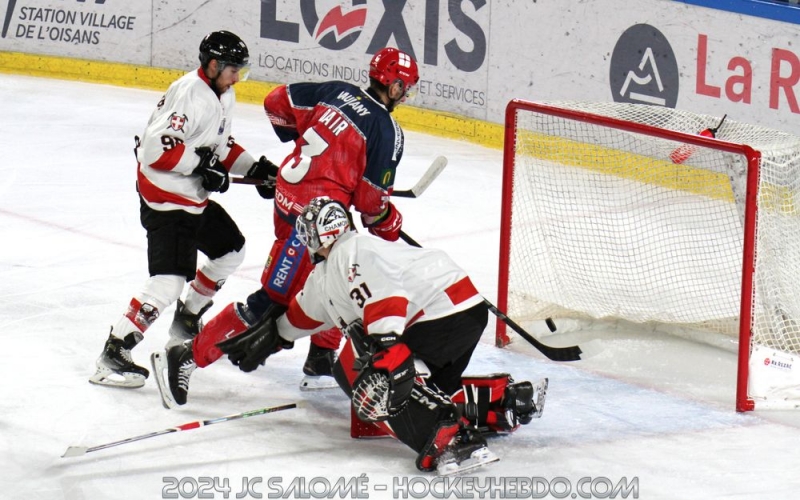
(72,253)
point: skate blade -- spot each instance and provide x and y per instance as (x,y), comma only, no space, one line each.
(316,383)
(160,369)
(477,459)
(110,378)
(540,392)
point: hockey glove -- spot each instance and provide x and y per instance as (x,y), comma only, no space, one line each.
(215,177)
(267,171)
(386,225)
(383,387)
(255,345)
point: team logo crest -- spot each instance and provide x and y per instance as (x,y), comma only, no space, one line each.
(353,273)
(643,68)
(338,28)
(386,177)
(176,122)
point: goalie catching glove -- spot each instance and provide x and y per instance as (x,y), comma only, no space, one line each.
(215,177)
(253,346)
(383,386)
(267,171)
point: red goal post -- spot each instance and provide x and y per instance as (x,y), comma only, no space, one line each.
(617,211)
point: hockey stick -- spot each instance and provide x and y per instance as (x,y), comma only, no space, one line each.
(416,191)
(77,451)
(422,184)
(571,353)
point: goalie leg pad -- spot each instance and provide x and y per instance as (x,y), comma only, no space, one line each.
(229,323)
(345,375)
(495,404)
(426,410)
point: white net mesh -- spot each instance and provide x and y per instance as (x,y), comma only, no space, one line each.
(607,223)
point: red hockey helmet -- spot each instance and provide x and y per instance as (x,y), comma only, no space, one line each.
(389,65)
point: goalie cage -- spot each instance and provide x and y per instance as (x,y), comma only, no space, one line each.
(624,212)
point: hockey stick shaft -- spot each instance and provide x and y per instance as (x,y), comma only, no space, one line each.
(571,353)
(76,451)
(247,180)
(422,184)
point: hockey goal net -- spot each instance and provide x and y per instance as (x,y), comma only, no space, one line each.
(624,212)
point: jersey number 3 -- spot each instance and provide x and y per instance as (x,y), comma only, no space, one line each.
(313,145)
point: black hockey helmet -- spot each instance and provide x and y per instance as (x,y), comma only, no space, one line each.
(225,47)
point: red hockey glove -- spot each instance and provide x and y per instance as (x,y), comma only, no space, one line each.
(267,171)
(387,225)
(383,387)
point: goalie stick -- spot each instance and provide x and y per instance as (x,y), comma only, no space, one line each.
(77,451)
(414,192)
(571,353)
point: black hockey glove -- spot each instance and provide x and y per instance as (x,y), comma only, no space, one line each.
(255,345)
(266,171)
(215,177)
(383,387)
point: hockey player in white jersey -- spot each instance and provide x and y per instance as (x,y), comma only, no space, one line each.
(395,303)
(186,153)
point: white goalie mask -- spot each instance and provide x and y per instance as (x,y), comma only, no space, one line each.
(321,223)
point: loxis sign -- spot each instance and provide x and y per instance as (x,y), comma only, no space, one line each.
(335,27)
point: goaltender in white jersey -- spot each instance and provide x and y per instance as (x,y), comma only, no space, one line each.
(395,303)
(419,285)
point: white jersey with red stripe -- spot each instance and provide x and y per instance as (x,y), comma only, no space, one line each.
(388,285)
(190,115)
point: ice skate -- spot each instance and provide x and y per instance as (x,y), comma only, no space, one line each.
(185,325)
(466,452)
(115,367)
(318,369)
(173,369)
(522,402)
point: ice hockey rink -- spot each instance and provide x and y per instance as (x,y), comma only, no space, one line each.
(649,410)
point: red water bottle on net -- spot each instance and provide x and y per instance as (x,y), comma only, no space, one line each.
(684,151)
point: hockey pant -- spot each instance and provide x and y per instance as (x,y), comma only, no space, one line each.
(173,239)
